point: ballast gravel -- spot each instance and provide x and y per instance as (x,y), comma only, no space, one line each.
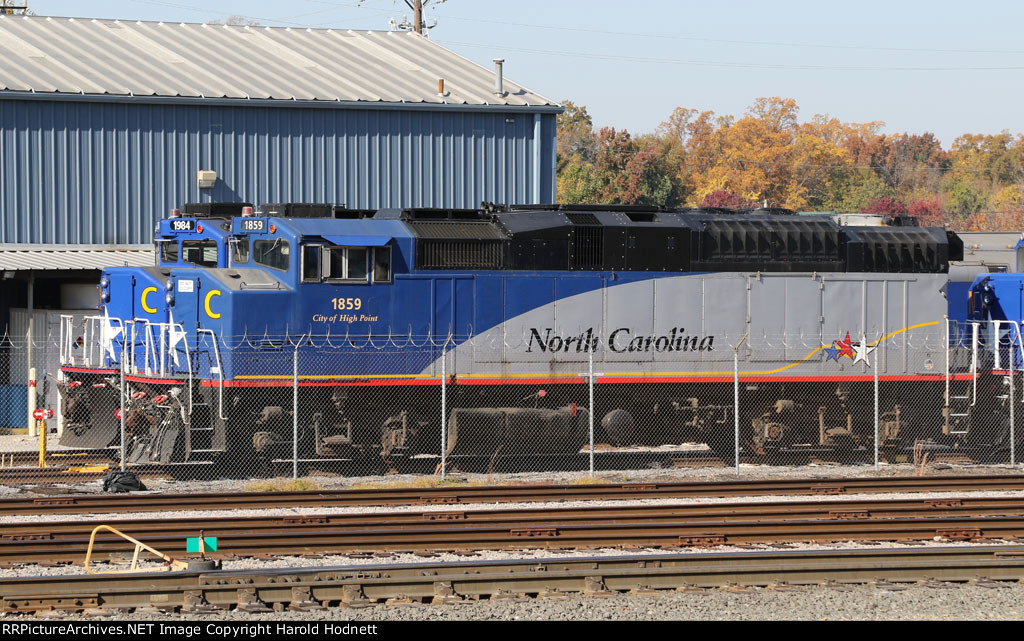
(334,561)
(946,601)
(747,472)
(984,601)
(207,516)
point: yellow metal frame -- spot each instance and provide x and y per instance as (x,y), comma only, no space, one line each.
(170,564)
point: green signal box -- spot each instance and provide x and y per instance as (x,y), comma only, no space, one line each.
(209,544)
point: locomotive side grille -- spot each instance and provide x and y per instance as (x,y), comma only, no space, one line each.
(582,219)
(587,247)
(460,254)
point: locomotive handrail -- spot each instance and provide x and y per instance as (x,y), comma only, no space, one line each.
(144,336)
(66,321)
(1011,354)
(147,345)
(947,359)
(220,370)
(132,365)
(188,359)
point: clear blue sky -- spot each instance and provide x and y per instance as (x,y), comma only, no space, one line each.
(939,66)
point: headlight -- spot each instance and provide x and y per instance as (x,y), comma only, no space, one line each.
(169,298)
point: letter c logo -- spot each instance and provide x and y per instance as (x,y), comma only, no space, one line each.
(146,292)
(209,296)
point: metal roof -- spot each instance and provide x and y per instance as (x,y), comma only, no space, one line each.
(16,257)
(92,57)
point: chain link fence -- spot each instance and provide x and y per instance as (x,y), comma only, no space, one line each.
(145,396)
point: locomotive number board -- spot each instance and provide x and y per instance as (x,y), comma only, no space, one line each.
(251,225)
(183,224)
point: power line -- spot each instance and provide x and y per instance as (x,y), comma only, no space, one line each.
(717,63)
(286,20)
(734,42)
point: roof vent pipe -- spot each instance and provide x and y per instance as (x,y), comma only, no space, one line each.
(499,81)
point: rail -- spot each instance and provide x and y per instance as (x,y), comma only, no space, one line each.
(662,524)
(312,588)
(452,495)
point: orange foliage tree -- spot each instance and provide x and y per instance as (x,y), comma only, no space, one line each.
(768,155)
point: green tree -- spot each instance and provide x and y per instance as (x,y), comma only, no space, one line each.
(578,183)
(575,135)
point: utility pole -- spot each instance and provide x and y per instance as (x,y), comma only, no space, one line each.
(15,8)
(417,11)
(418,24)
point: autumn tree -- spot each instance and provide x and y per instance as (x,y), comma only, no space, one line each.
(728,200)
(885,205)
(575,137)
(701,158)
(768,155)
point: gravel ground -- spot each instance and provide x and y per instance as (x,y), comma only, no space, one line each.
(680,475)
(950,602)
(1004,601)
(332,561)
(199,517)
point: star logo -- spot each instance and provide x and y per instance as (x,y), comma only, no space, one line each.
(862,350)
(832,352)
(845,346)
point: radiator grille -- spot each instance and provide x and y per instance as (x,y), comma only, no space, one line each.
(583,219)
(587,247)
(460,254)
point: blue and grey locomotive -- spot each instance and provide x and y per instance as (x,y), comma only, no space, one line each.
(660,302)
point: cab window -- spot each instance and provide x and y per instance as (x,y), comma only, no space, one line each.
(311,272)
(333,263)
(272,253)
(345,263)
(169,251)
(199,252)
(357,265)
(240,251)
(382,265)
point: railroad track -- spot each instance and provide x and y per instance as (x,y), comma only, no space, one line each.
(439,583)
(455,495)
(559,528)
(60,457)
(77,471)
(67,466)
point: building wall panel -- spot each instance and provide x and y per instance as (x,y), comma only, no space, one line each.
(98,172)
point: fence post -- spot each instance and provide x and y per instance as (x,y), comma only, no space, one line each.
(1013,439)
(736,405)
(444,410)
(32,431)
(295,411)
(590,385)
(124,410)
(877,356)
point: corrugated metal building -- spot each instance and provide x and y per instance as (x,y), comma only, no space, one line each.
(105,126)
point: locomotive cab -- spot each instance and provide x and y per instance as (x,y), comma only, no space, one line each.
(201,236)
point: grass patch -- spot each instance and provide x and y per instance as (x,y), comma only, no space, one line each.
(283,485)
(422,482)
(589,480)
